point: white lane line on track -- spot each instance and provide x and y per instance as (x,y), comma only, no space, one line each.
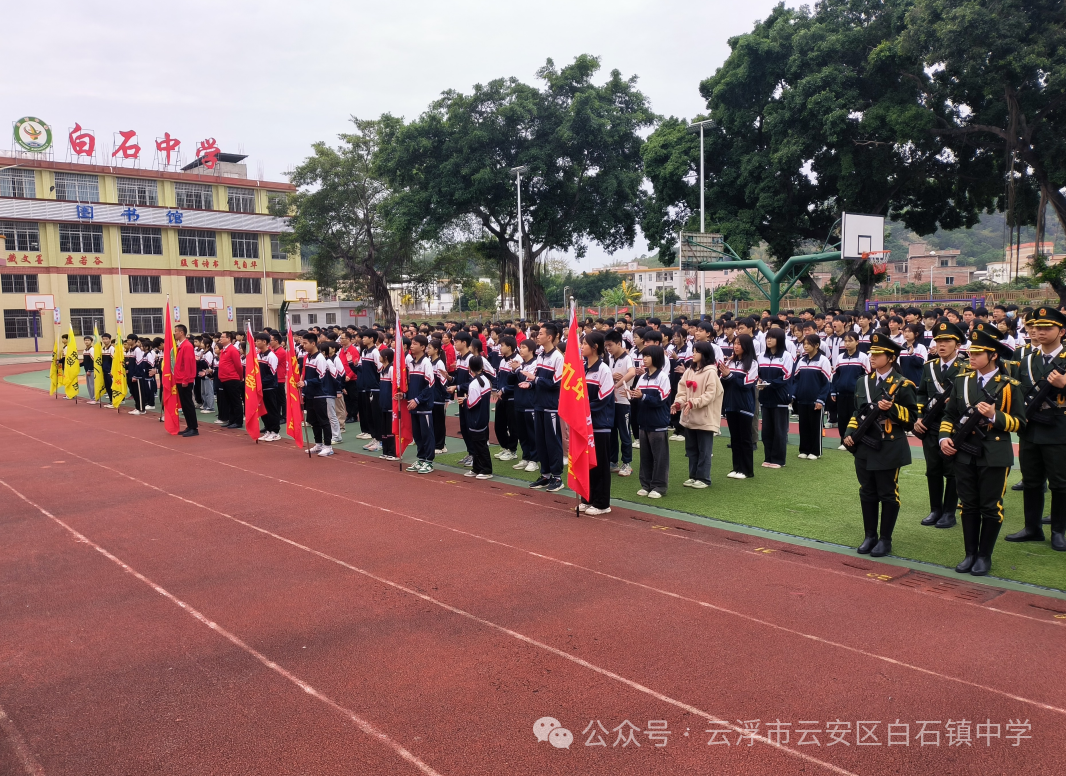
(22,751)
(640,585)
(367,727)
(725,545)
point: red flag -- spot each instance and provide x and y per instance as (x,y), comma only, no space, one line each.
(401,416)
(170,389)
(294,411)
(254,408)
(574,411)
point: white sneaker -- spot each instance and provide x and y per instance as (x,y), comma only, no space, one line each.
(636,445)
(802,455)
(812,457)
(740,476)
(698,484)
(508,456)
(267,437)
(642,492)
(594,511)
(470,474)
(499,454)
(615,468)
(136,412)
(521,464)
(688,483)
(149,407)
(676,438)
(483,477)
(654,494)
(732,475)
(582,507)
(91,401)
(317,447)
(363,436)
(625,471)
(441,451)
(325,452)
(373,447)
(336,441)
(221,422)
(205,412)
(532,466)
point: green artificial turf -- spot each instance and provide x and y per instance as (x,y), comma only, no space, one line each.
(810,499)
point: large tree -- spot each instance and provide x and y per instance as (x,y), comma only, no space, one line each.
(450,169)
(993,88)
(814,112)
(338,213)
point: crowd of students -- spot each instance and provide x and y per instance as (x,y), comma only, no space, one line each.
(649,383)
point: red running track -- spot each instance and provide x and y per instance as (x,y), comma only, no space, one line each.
(202,606)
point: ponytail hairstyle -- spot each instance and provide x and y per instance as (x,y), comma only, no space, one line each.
(595,340)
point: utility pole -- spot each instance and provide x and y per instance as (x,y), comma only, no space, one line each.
(517,171)
(698,127)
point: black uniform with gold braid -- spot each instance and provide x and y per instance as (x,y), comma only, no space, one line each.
(877,466)
(937,380)
(984,453)
(1042,444)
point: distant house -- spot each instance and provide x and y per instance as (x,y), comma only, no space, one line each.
(650,281)
(922,265)
(1017,263)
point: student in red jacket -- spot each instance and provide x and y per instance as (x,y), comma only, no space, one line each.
(231,375)
(185,377)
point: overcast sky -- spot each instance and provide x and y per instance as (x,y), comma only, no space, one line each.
(271,77)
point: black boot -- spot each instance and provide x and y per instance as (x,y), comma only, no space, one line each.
(1033,498)
(889,513)
(1058,520)
(1017,486)
(936,500)
(971,536)
(869,526)
(1045,520)
(951,501)
(989,533)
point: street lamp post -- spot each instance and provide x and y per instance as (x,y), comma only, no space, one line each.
(698,127)
(517,171)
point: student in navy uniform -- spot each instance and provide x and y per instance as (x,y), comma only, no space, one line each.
(849,366)
(524,405)
(914,355)
(332,384)
(315,385)
(136,373)
(775,370)
(653,388)
(600,383)
(462,376)
(388,441)
(435,352)
(810,386)
(506,423)
(107,356)
(268,376)
(366,385)
(420,398)
(624,374)
(549,439)
(477,395)
(739,374)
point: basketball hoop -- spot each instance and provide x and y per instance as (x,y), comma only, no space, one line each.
(302,297)
(878,260)
(39,306)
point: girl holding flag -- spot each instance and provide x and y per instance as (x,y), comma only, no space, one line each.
(599,385)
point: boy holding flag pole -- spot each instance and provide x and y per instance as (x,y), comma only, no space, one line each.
(294,409)
(574,410)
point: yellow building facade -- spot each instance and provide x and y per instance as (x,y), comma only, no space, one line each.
(110,244)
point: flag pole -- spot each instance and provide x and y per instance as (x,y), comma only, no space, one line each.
(569,463)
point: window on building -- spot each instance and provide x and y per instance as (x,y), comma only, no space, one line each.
(142,240)
(84,284)
(195,196)
(252,315)
(198,285)
(277,285)
(275,248)
(147,320)
(81,238)
(18,324)
(245,245)
(75,187)
(201,321)
(949,281)
(312,319)
(331,318)
(240,200)
(137,191)
(945,263)
(296,319)
(20,235)
(277,204)
(192,242)
(247,285)
(83,318)
(145,284)
(17,183)
(18,284)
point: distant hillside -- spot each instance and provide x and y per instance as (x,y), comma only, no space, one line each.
(984,243)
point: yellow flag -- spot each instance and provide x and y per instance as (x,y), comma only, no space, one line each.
(119,388)
(98,365)
(71,365)
(53,373)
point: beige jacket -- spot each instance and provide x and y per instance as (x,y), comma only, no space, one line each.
(706,398)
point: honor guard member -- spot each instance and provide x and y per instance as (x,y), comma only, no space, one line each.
(982,412)
(883,448)
(938,379)
(1042,443)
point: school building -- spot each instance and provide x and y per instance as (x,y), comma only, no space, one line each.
(110,243)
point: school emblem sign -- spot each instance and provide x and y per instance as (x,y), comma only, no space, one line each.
(32,134)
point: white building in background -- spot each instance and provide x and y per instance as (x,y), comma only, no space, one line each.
(330,312)
(650,281)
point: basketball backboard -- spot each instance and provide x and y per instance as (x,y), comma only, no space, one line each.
(40,302)
(861,233)
(301,291)
(212,303)
(696,248)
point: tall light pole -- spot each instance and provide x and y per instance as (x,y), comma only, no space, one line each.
(517,171)
(698,127)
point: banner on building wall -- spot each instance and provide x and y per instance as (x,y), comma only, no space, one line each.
(55,316)
(118,314)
